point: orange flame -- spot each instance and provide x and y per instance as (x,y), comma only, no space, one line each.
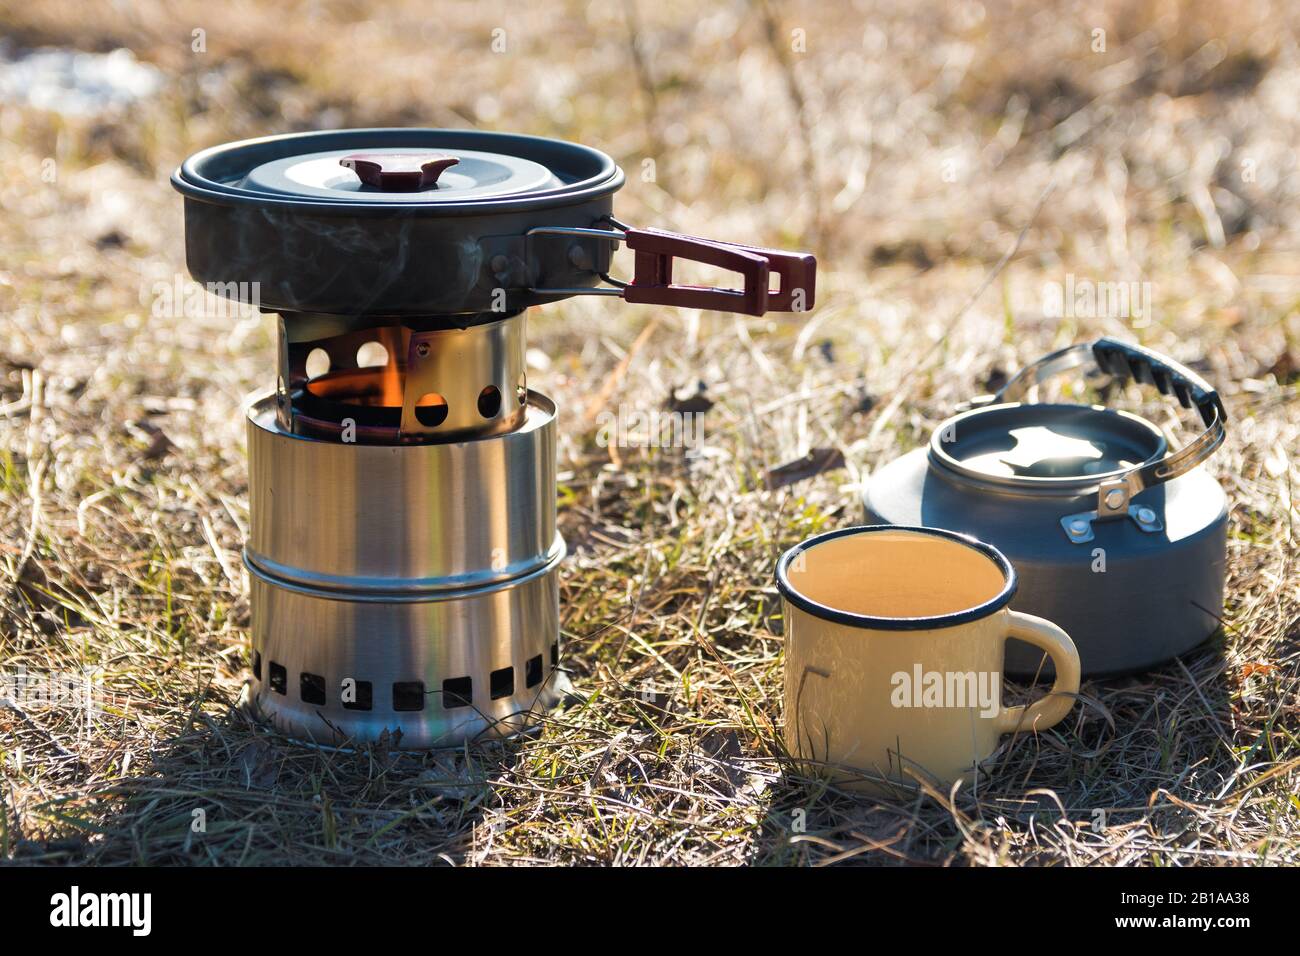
(390,382)
(391,385)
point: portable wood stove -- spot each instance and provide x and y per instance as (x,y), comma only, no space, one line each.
(403,548)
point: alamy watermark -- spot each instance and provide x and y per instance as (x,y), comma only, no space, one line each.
(34,691)
(181,298)
(942,689)
(1084,298)
(77,908)
(632,427)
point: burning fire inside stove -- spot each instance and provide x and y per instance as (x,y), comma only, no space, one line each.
(393,384)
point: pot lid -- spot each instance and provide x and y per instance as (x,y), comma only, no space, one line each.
(404,175)
(1045,445)
(431,171)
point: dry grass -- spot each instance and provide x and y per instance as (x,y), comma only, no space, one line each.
(122,482)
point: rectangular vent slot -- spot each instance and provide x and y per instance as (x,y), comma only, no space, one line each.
(312,688)
(408,695)
(457,692)
(533,671)
(503,683)
(362,694)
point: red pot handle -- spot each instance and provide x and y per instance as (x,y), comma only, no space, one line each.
(652,281)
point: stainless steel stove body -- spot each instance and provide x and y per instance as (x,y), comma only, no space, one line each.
(403,549)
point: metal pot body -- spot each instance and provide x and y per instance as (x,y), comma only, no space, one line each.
(1129,598)
(288,213)
(398,265)
(409,588)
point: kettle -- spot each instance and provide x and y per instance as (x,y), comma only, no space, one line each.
(1117,538)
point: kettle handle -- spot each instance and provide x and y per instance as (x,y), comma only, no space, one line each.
(1125,360)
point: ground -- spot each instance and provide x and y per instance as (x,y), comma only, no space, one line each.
(950,164)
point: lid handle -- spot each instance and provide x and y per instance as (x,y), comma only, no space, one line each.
(399,172)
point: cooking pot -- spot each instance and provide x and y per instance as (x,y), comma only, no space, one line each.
(1116,538)
(443,223)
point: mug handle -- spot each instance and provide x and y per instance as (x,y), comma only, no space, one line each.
(1049,710)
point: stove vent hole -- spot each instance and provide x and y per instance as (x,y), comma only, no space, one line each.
(364,697)
(431,410)
(457,692)
(489,402)
(408,695)
(372,354)
(521,390)
(555,654)
(533,671)
(503,683)
(257,664)
(311,687)
(318,363)
(279,678)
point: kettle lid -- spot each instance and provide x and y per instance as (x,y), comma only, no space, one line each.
(1045,446)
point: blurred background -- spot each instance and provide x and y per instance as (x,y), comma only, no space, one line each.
(952,165)
(906,144)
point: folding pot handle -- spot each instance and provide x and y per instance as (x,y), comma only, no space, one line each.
(653,283)
(656,250)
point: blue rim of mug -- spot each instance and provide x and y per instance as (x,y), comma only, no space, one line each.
(932,622)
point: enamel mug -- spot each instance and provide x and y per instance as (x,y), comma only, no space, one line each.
(894,646)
